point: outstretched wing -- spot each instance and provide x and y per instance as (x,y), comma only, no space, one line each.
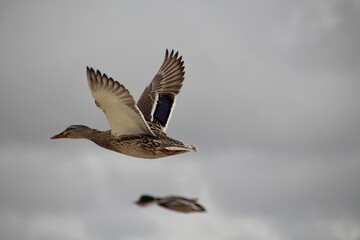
(158,99)
(118,105)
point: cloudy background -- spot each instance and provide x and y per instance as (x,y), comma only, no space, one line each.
(271,98)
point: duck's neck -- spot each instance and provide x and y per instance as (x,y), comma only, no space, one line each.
(88,133)
(100,138)
(93,133)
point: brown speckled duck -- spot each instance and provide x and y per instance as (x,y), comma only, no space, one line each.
(136,129)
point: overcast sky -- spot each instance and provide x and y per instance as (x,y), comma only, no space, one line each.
(271,98)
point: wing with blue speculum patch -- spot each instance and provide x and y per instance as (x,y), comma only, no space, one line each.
(163,108)
(158,99)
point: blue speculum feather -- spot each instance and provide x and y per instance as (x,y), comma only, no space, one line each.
(163,108)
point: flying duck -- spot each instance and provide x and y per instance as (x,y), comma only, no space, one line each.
(137,129)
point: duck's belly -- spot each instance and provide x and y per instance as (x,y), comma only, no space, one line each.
(143,148)
(142,153)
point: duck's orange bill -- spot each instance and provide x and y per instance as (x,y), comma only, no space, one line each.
(60,135)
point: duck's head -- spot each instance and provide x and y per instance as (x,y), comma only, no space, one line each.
(74,131)
(145,200)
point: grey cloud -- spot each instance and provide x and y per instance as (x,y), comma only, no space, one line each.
(270,97)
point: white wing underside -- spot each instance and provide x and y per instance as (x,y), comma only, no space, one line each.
(118,105)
